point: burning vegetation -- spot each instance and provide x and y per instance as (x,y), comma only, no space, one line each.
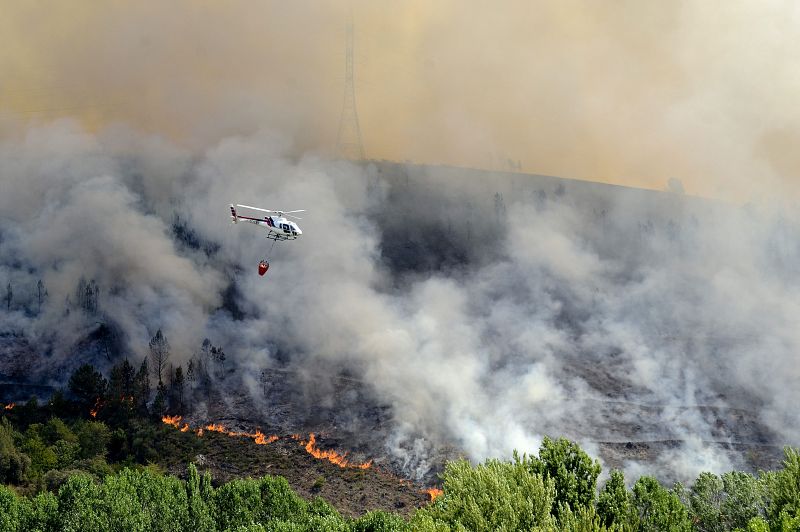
(434,493)
(259,438)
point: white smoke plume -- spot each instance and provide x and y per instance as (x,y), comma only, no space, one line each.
(606,315)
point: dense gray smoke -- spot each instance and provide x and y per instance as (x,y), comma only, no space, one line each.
(481,312)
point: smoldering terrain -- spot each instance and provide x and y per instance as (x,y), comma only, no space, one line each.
(426,312)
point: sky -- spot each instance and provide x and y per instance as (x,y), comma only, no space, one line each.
(626,92)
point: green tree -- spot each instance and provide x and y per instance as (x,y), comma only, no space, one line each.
(745,499)
(81,506)
(121,384)
(237,503)
(177,391)
(55,429)
(13,463)
(201,517)
(66,452)
(573,472)
(615,503)
(43,457)
(659,509)
(705,503)
(93,437)
(784,493)
(142,387)
(160,402)
(41,515)
(492,496)
(12,510)
(87,385)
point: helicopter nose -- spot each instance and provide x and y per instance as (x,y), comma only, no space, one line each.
(299,232)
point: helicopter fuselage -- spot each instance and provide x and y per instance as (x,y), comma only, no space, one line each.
(279,228)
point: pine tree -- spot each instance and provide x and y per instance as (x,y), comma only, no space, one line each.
(177,386)
(159,353)
(142,386)
(160,402)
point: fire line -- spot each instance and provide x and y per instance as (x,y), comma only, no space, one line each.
(262,439)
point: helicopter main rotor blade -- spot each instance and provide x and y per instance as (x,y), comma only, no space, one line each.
(255,208)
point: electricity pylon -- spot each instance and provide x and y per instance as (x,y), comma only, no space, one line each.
(348,143)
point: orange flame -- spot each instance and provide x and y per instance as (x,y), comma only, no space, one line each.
(97,404)
(261,439)
(9,406)
(258,437)
(175,421)
(434,493)
(330,455)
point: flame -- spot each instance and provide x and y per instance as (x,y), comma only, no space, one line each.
(261,439)
(9,406)
(216,428)
(175,421)
(330,455)
(434,493)
(97,404)
(172,420)
(258,437)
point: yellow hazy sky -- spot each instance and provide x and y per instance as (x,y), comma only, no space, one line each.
(622,91)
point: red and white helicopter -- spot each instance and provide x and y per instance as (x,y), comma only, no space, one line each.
(279,227)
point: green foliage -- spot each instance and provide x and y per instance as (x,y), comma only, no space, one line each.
(55,430)
(278,501)
(757,524)
(66,452)
(705,503)
(161,502)
(13,464)
(615,503)
(93,438)
(87,384)
(493,496)
(554,491)
(43,458)
(784,493)
(730,502)
(201,518)
(12,510)
(571,469)
(41,515)
(379,521)
(658,508)
(584,519)
(80,506)
(237,503)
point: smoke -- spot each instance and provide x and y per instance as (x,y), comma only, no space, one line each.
(630,93)
(481,312)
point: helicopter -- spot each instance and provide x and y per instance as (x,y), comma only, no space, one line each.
(279,227)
